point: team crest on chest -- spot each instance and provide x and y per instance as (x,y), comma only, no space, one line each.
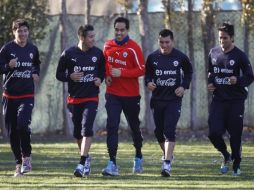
(94,59)
(31,55)
(231,62)
(176,63)
(125,54)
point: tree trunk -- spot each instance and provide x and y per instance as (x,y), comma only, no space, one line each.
(146,46)
(87,11)
(67,120)
(194,91)
(207,26)
(167,20)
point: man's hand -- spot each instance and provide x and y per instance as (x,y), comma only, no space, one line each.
(115,72)
(35,77)
(151,86)
(108,80)
(211,87)
(232,80)
(179,91)
(13,63)
(97,81)
(76,76)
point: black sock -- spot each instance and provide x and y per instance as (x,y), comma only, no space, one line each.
(113,159)
(167,161)
(138,153)
(83,160)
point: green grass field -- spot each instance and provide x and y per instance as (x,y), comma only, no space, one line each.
(196,166)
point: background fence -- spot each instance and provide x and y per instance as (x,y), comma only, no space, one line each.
(48,112)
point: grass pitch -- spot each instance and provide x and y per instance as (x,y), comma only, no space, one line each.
(195,166)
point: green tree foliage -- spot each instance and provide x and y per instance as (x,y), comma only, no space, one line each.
(248,12)
(31,10)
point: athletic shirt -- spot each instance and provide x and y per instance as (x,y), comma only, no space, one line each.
(129,58)
(18,81)
(168,72)
(224,65)
(91,63)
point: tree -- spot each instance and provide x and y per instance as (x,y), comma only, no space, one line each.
(146,47)
(87,11)
(31,10)
(207,25)
(248,21)
(194,91)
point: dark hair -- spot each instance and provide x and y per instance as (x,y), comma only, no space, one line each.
(18,23)
(82,31)
(166,33)
(124,20)
(228,28)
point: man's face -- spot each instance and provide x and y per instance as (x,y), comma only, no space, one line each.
(88,41)
(225,40)
(166,44)
(120,31)
(21,34)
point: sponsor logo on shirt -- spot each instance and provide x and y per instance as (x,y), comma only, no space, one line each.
(167,82)
(225,80)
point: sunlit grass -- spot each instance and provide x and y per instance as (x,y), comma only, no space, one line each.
(195,166)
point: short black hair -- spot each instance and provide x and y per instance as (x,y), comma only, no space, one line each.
(228,28)
(124,20)
(166,33)
(18,23)
(82,31)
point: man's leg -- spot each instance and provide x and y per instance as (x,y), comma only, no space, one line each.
(235,128)
(114,109)
(23,121)
(217,128)
(158,109)
(76,116)
(131,110)
(171,116)
(88,117)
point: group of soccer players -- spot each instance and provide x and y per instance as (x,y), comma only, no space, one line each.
(167,73)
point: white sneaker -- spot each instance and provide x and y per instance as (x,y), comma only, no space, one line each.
(26,165)
(165,169)
(18,172)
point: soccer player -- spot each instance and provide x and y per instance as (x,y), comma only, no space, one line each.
(168,75)
(20,64)
(230,73)
(124,64)
(83,67)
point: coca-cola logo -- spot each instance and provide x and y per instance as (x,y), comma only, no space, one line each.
(167,82)
(22,74)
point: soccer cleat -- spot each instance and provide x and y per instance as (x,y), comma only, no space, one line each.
(224,168)
(78,172)
(18,172)
(26,165)
(87,167)
(110,170)
(165,169)
(137,165)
